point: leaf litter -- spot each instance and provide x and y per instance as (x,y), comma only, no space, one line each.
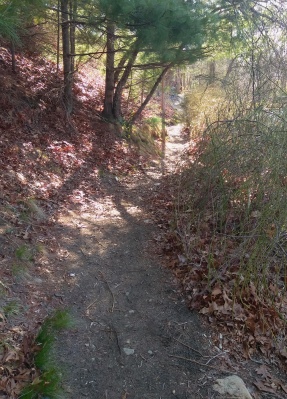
(48,167)
(246,324)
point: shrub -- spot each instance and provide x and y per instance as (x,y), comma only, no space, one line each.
(231,215)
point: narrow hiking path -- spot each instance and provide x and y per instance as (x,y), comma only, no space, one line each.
(134,337)
(132,329)
(78,231)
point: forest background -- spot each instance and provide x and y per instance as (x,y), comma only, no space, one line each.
(225,62)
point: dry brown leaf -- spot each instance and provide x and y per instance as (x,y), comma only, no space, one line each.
(263,370)
(250,323)
(205,311)
(283,387)
(226,298)
(262,387)
(11,355)
(216,291)
(283,353)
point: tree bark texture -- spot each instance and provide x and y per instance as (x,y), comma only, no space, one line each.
(73,13)
(149,96)
(68,77)
(211,74)
(117,109)
(110,72)
(58,36)
(120,67)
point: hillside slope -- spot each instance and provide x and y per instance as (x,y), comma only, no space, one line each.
(48,164)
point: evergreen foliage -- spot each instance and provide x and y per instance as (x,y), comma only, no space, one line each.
(14,16)
(152,35)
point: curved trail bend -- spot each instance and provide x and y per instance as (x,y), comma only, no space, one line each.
(132,328)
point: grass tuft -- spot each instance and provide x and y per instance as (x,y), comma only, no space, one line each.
(48,383)
(24,253)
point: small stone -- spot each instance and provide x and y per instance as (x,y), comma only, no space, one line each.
(129,351)
(233,386)
(131,311)
(150,352)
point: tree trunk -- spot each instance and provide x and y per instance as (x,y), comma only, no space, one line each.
(117,103)
(120,67)
(73,12)
(110,72)
(149,96)
(163,133)
(211,75)
(68,81)
(228,71)
(58,37)
(253,77)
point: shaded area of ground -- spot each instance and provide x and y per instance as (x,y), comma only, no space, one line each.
(77,231)
(132,327)
(129,318)
(134,337)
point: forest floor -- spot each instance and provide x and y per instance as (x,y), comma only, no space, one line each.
(133,331)
(83,221)
(134,336)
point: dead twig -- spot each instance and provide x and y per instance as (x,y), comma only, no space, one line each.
(5,286)
(111,329)
(111,292)
(200,364)
(90,305)
(213,357)
(187,346)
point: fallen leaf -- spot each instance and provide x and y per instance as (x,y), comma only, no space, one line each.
(283,387)
(260,385)
(263,370)
(216,291)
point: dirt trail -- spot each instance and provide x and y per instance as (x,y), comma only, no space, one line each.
(132,327)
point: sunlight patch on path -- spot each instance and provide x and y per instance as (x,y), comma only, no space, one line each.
(176,146)
(130,317)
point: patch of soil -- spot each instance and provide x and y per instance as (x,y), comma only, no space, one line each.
(133,337)
(133,332)
(78,232)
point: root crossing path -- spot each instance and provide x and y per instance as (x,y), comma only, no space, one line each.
(133,336)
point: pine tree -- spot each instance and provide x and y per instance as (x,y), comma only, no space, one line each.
(148,34)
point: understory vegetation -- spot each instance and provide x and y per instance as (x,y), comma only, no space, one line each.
(88,88)
(231,208)
(48,382)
